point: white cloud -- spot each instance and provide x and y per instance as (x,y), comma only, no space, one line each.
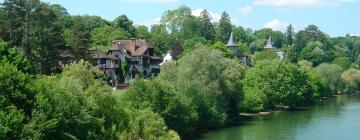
(214,16)
(245,10)
(151,1)
(299,3)
(276,24)
(150,22)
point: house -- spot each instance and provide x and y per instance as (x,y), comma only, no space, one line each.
(138,54)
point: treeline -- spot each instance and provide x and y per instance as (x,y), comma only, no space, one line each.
(204,89)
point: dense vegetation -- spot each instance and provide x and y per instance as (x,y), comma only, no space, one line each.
(205,88)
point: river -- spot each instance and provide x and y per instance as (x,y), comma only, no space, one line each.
(337,118)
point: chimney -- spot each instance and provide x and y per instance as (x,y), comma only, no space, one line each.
(132,45)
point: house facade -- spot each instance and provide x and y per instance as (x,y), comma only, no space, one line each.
(138,54)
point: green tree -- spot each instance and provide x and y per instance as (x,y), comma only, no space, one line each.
(174,20)
(265,55)
(311,34)
(102,37)
(318,84)
(352,78)
(343,62)
(158,39)
(16,100)
(290,33)
(210,81)
(37,33)
(243,35)
(277,37)
(124,23)
(142,32)
(282,83)
(314,53)
(10,55)
(178,112)
(222,47)
(207,29)
(224,28)
(257,45)
(331,75)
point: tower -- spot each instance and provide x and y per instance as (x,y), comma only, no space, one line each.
(269,44)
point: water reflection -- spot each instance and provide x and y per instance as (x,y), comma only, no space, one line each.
(336,118)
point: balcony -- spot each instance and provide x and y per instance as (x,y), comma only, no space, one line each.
(108,66)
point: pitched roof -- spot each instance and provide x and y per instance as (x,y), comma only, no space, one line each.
(141,48)
(231,42)
(269,44)
(97,54)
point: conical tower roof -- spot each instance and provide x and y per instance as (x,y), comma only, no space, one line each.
(231,42)
(269,44)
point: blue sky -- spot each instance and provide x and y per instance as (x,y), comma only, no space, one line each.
(335,17)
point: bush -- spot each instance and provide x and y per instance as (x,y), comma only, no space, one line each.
(331,75)
(254,101)
(352,79)
(282,83)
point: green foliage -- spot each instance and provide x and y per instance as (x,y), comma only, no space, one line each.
(331,75)
(124,23)
(311,34)
(34,27)
(11,120)
(16,100)
(222,47)
(352,79)
(254,101)
(179,114)
(70,107)
(243,35)
(224,28)
(142,32)
(317,83)
(282,83)
(290,33)
(145,124)
(265,55)
(291,54)
(314,53)
(10,55)
(158,40)
(103,36)
(277,37)
(257,45)
(15,88)
(191,44)
(210,81)
(207,29)
(343,62)
(84,71)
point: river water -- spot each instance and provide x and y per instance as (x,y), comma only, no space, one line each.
(337,118)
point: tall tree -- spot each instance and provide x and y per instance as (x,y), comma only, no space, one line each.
(142,32)
(125,23)
(289,35)
(159,38)
(34,27)
(207,29)
(224,29)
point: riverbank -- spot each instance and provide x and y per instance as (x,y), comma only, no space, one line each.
(244,119)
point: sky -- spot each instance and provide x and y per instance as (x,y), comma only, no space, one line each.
(334,17)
